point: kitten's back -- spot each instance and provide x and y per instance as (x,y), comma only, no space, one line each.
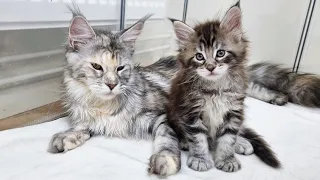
(167,66)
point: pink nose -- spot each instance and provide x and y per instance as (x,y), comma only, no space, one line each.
(111,86)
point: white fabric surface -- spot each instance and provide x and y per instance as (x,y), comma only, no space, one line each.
(291,130)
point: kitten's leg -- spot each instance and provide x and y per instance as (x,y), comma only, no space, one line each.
(183,144)
(224,152)
(199,158)
(166,153)
(68,140)
(243,146)
(264,94)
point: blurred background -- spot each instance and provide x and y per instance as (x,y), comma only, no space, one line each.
(33,33)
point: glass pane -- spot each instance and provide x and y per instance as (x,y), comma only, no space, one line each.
(32,38)
(156,39)
(310,61)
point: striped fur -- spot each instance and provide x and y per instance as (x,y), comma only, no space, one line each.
(276,85)
(207,95)
(105,94)
(260,147)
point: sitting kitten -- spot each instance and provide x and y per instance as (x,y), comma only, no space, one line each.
(105,94)
(206,107)
(276,85)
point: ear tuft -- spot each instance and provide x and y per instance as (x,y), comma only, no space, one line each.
(182,31)
(237,4)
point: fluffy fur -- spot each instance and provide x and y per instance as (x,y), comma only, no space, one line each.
(105,94)
(207,96)
(276,85)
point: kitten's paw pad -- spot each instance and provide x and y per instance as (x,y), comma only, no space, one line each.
(280,100)
(164,164)
(228,165)
(200,163)
(243,146)
(62,142)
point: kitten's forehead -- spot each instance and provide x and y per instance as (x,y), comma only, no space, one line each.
(110,59)
(207,33)
(106,58)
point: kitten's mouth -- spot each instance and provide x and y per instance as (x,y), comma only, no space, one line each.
(110,94)
(212,74)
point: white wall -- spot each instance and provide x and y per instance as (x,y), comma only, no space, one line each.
(310,61)
(273,26)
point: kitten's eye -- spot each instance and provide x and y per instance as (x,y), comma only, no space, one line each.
(199,57)
(221,53)
(120,68)
(96,66)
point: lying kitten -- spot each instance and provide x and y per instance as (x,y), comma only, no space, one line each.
(276,85)
(105,94)
(207,98)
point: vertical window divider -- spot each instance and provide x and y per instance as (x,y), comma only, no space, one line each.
(303,37)
(185,9)
(122,14)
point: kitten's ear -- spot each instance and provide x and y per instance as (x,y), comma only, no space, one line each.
(80,32)
(131,34)
(232,21)
(182,31)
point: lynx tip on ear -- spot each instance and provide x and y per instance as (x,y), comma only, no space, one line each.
(237,4)
(172,19)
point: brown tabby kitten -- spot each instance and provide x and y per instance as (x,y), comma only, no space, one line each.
(207,95)
(277,85)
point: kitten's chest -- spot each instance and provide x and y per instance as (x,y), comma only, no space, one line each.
(103,121)
(124,124)
(112,126)
(215,108)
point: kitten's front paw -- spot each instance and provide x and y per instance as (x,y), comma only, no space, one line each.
(280,100)
(230,164)
(164,164)
(62,142)
(200,163)
(243,146)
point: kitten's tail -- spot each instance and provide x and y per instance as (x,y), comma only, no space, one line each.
(261,148)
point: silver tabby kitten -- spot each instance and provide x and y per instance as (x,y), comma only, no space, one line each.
(105,94)
(206,107)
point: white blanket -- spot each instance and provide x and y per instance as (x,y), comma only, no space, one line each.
(292,131)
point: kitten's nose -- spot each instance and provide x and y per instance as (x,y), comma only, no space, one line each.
(210,67)
(111,86)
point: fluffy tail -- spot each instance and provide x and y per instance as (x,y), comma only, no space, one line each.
(261,148)
(304,89)
(269,82)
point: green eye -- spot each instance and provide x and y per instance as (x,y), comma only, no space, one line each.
(96,66)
